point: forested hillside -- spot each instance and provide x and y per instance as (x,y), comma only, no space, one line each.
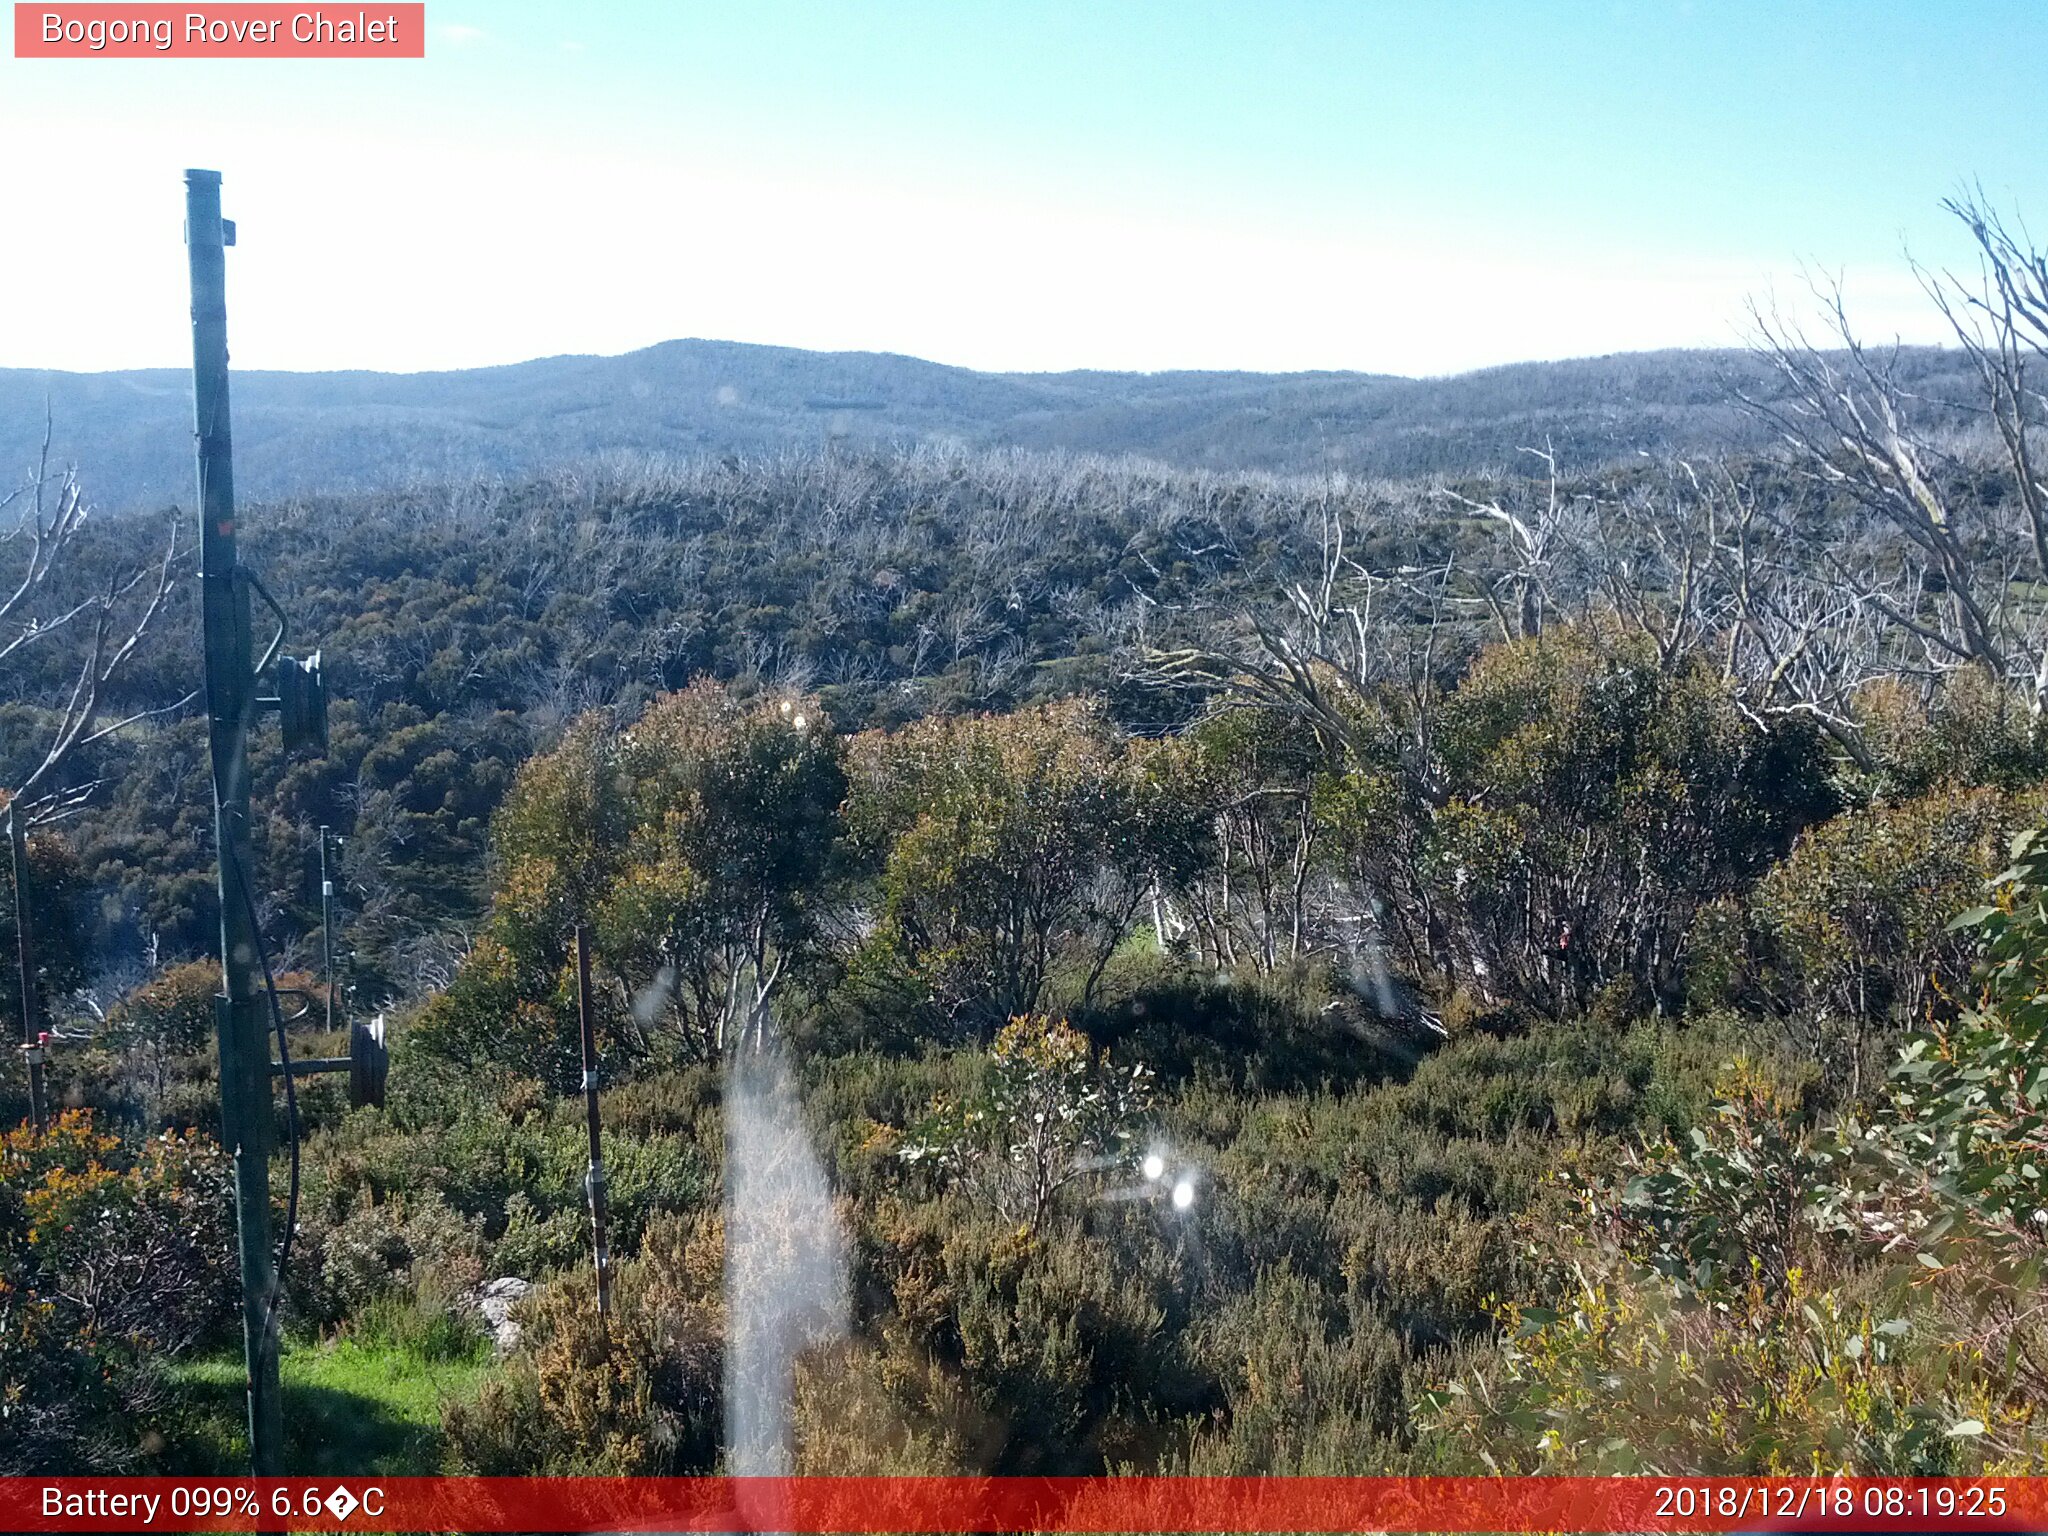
(325,432)
(1310,973)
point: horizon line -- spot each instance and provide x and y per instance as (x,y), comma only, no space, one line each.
(1006,373)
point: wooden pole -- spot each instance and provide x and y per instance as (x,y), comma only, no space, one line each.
(594,1180)
(33,1046)
(247,1110)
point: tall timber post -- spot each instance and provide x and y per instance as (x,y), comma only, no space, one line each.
(594,1179)
(231,678)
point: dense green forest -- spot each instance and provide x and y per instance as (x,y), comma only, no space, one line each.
(1528,972)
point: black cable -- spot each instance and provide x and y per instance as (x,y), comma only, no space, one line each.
(230,851)
(291,1100)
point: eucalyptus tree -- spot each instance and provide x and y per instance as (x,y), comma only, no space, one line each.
(1007,845)
(691,843)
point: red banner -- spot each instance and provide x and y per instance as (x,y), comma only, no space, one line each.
(1093,1505)
(238,31)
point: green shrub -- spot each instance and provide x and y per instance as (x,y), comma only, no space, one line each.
(1055,1332)
(1847,940)
(114,1258)
(1953,1165)
(1003,843)
(643,1396)
(1961,732)
(1312,1385)
(1769,1297)
(1581,800)
(1630,1373)
(1294,1027)
(404,1245)
(1049,1111)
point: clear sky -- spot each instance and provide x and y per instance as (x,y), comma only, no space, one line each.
(1024,184)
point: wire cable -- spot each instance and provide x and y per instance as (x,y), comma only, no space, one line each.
(291,1102)
(229,851)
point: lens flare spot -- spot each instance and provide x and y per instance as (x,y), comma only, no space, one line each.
(1183,1194)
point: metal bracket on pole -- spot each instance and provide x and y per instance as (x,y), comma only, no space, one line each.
(368,1064)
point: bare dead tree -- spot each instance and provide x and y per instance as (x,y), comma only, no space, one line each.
(1849,424)
(1704,566)
(1537,541)
(48,521)
(1653,557)
(1324,647)
(1361,654)
(2001,322)
(1953,583)
(118,628)
(118,618)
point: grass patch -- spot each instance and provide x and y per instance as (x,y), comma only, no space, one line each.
(351,1406)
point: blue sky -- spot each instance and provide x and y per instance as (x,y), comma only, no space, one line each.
(1268,184)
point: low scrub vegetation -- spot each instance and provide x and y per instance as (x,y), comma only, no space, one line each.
(1505,974)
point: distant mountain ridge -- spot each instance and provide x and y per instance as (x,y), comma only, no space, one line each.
(130,432)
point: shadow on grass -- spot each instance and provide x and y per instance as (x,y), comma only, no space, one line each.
(347,1410)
